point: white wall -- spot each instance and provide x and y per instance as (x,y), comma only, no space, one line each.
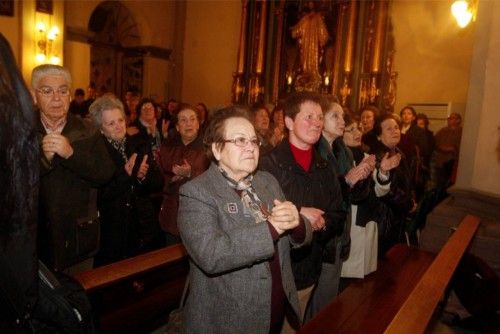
(433,54)
(479,166)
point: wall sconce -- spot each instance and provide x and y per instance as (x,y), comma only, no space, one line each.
(46,52)
(464,11)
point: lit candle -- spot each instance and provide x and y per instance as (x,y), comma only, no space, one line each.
(289,80)
(327,80)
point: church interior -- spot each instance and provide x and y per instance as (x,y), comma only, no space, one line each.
(388,53)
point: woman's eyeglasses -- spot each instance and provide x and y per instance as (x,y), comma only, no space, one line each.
(352,130)
(242,141)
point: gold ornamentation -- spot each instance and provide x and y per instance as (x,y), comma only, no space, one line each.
(345,91)
(389,98)
(238,88)
(373,91)
(312,35)
(363,92)
(277,58)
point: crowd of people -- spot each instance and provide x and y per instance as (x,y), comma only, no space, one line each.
(278,210)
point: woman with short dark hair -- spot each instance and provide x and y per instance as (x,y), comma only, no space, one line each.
(308,181)
(146,125)
(368,116)
(237,228)
(182,158)
(394,207)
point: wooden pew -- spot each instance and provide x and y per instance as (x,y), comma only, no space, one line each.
(136,295)
(417,310)
(372,304)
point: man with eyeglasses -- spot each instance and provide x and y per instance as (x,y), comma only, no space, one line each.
(74,161)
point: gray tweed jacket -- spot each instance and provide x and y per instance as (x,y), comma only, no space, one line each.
(230,275)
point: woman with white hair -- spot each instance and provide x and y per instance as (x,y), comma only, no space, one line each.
(123,203)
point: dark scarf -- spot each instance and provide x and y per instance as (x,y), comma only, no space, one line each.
(338,153)
(249,197)
(343,156)
(119,145)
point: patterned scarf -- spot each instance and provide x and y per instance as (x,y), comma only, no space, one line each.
(249,197)
(119,145)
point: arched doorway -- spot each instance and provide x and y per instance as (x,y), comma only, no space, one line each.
(112,67)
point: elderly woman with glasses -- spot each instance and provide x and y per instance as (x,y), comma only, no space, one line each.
(123,203)
(363,201)
(148,126)
(237,228)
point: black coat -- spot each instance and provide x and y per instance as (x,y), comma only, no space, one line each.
(363,194)
(317,188)
(124,204)
(393,208)
(68,192)
(424,142)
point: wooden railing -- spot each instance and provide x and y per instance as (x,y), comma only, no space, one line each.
(136,295)
(401,295)
(104,276)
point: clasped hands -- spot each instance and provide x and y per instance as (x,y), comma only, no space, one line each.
(56,143)
(315,217)
(284,216)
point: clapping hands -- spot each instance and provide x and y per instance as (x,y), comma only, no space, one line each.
(361,171)
(143,168)
(387,163)
(181,171)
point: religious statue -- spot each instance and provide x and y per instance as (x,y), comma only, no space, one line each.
(311,34)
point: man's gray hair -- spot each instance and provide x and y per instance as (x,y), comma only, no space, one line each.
(103,103)
(48,69)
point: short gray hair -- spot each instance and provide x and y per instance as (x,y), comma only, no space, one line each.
(103,103)
(48,69)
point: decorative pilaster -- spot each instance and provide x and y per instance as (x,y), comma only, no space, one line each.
(256,93)
(279,13)
(239,84)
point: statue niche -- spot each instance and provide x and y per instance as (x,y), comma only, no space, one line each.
(311,34)
(340,47)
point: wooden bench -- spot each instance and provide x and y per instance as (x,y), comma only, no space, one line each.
(401,295)
(136,295)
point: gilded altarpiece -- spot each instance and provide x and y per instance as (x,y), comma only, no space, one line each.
(342,48)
